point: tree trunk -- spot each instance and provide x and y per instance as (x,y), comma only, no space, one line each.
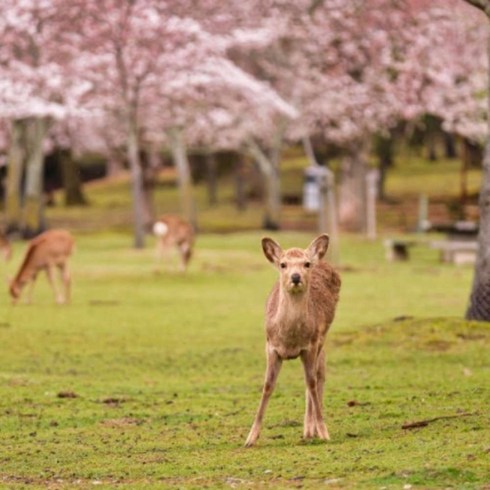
(384,149)
(479,307)
(352,205)
(115,164)
(479,304)
(149,163)
(269,168)
(327,214)
(212,178)
(240,194)
(15,170)
(136,184)
(179,154)
(33,220)
(70,175)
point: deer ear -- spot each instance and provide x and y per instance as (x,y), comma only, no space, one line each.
(272,250)
(318,247)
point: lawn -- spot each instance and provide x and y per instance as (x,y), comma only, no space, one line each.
(151,378)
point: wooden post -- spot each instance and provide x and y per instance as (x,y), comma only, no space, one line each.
(423,223)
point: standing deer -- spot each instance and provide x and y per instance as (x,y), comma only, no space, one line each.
(48,251)
(299,312)
(172,231)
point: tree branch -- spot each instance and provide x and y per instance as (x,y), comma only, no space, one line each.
(483,5)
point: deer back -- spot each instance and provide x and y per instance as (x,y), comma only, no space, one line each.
(179,230)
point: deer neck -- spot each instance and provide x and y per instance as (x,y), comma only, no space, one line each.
(293,307)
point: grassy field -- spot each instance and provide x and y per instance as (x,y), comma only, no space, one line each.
(150,379)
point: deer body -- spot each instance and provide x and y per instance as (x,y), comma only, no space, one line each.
(47,252)
(299,312)
(294,322)
(173,231)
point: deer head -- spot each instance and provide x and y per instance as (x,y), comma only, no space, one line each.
(295,264)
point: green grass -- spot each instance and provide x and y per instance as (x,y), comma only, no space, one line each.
(166,370)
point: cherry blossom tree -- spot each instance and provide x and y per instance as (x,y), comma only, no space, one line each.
(36,91)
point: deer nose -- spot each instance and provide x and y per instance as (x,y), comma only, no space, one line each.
(295,278)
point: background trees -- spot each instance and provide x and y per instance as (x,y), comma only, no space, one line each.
(251,77)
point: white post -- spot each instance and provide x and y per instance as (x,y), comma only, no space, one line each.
(372,178)
(327,203)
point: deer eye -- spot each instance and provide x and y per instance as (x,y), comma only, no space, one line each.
(282,265)
(307,265)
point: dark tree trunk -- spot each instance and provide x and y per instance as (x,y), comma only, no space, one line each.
(385,151)
(479,307)
(240,180)
(432,128)
(450,145)
(70,175)
(149,163)
(212,178)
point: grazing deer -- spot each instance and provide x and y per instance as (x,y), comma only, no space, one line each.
(172,231)
(5,247)
(299,311)
(48,251)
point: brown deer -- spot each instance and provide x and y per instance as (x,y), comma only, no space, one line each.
(48,251)
(5,247)
(172,231)
(299,312)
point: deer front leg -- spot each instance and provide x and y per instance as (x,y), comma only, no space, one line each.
(309,426)
(57,294)
(309,359)
(274,363)
(310,429)
(30,289)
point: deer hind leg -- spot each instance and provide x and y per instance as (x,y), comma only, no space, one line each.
(320,378)
(310,428)
(309,359)
(185,250)
(274,363)
(66,279)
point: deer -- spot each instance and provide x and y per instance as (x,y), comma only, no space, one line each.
(5,247)
(47,252)
(173,231)
(299,311)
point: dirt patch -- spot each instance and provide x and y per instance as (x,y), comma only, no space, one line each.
(122,422)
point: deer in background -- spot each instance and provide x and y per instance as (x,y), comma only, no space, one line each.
(48,251)
(172,231)
(299,312)
(5,247)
